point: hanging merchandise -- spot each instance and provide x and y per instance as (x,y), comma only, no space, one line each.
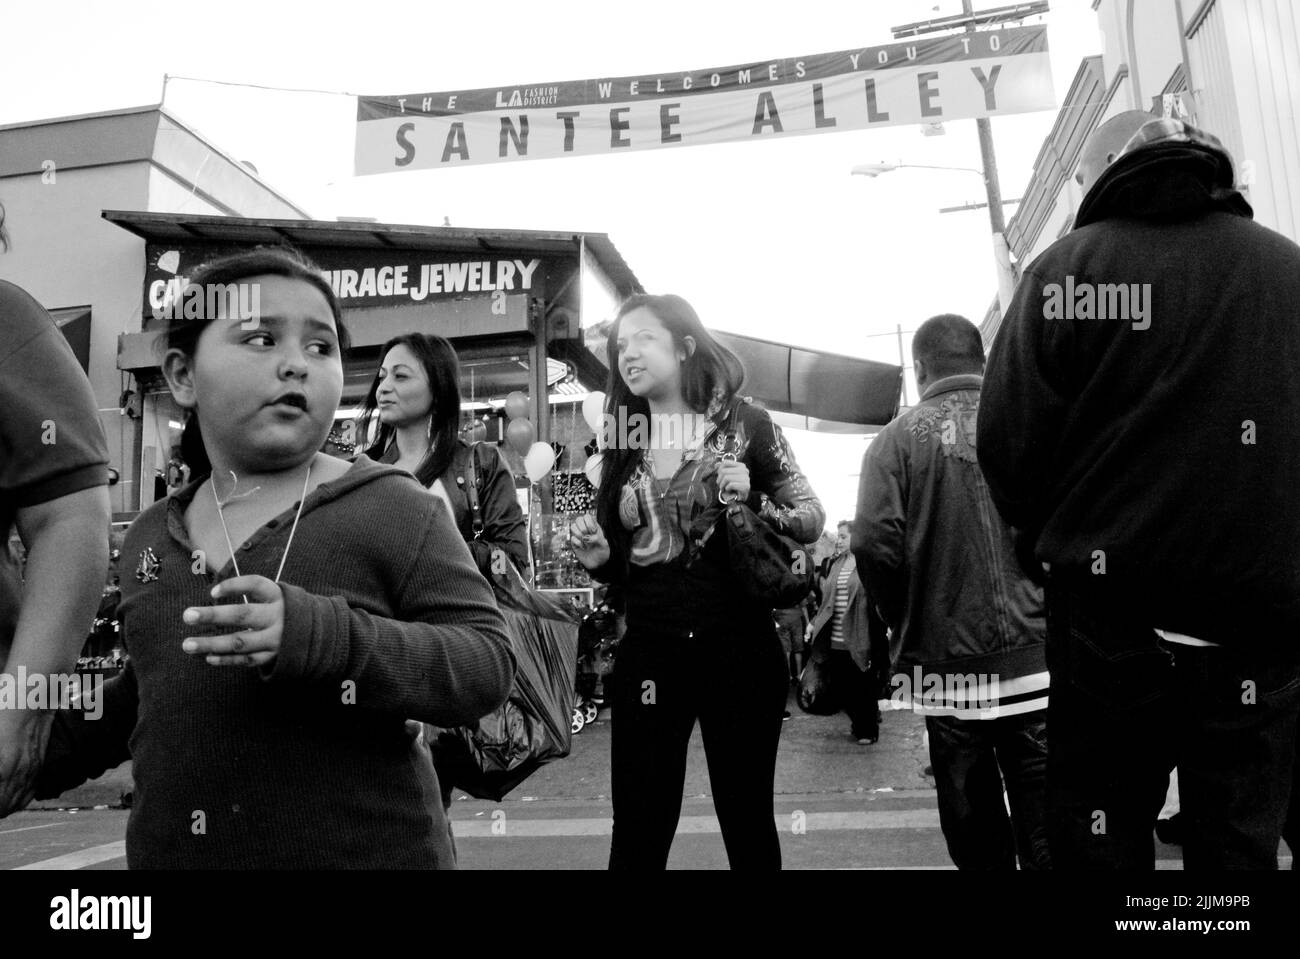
(538,460)
(516,405)
(592,469)
(573,492)
(520,434)
(593,410)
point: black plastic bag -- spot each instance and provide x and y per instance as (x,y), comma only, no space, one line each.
(815,693)
(505,747)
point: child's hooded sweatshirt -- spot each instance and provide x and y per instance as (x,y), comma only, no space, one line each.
(308,761)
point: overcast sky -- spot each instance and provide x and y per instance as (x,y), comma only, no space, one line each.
(772,239)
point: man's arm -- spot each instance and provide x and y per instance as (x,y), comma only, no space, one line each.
(880,527)
(67,559)
(1023,404)
(53,470)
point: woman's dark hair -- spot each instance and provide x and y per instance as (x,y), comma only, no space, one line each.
(710,369)
(4,237)
(183,335)
(442,367)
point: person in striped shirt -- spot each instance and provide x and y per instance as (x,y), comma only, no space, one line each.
(850,654)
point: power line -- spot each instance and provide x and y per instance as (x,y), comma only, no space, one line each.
(255,86)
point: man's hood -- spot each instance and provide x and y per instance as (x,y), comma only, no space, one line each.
(1169,170)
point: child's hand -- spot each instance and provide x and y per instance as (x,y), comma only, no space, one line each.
(256,625)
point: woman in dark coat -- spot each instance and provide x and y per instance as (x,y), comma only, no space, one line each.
(415,398)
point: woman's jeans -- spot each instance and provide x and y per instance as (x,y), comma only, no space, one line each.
(732,678)
(1126,706)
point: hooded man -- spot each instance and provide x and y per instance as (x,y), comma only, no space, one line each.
(1138,420)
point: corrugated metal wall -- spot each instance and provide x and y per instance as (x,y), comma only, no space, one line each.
(1246,71)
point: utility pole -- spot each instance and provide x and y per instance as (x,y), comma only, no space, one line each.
(1001,250)
(968,21)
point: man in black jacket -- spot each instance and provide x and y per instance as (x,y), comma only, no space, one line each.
(1139,419)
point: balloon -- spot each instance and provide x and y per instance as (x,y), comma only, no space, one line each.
(520,435)
(477,431)
(516,405)
(593,410)
(593,467)
(539,460)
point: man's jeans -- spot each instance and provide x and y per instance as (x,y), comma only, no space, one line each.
(971,758)
(1127,706)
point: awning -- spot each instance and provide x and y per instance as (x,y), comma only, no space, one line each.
(828,392)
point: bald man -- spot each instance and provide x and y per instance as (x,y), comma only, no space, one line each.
(1138,425)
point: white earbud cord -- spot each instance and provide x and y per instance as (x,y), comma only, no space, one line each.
(285,555)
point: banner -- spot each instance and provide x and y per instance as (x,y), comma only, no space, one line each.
(981,74)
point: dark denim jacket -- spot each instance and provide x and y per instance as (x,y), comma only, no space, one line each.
(934,554)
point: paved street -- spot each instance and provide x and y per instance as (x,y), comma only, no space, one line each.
(838,806)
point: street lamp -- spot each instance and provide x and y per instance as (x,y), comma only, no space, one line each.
(875,169)
(1001,251)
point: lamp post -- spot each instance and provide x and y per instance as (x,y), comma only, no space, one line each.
(1001,251)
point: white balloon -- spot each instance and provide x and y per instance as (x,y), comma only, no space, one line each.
(593,410)
(539,460)
(595,463)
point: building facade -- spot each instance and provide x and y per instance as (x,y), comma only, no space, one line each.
(1231,67)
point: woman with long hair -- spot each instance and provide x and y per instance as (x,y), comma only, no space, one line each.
(415,401)
(413,404)
(696,646)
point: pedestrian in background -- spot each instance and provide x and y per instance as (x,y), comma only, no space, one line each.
(849,661)
(1151,455)
(413,408)
(696,646)
(967,624)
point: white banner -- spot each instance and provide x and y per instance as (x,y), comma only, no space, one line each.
(980,74)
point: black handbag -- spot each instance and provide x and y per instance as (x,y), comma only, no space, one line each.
(772,569)
(533,727)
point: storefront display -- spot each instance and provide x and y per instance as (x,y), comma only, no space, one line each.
(518,306)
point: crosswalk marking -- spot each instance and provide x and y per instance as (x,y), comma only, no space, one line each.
(82,857)
(694,825)
(48,825)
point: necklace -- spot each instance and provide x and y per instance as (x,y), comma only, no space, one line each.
(222,516)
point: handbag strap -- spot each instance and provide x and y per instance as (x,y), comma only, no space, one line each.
(730,445)
(471,473)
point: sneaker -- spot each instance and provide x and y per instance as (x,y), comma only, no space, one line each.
(785,715)
(927,771)
(863,741)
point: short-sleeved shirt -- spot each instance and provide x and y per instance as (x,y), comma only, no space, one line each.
(51,441)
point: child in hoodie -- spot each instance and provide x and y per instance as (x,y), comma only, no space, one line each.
(285,614)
